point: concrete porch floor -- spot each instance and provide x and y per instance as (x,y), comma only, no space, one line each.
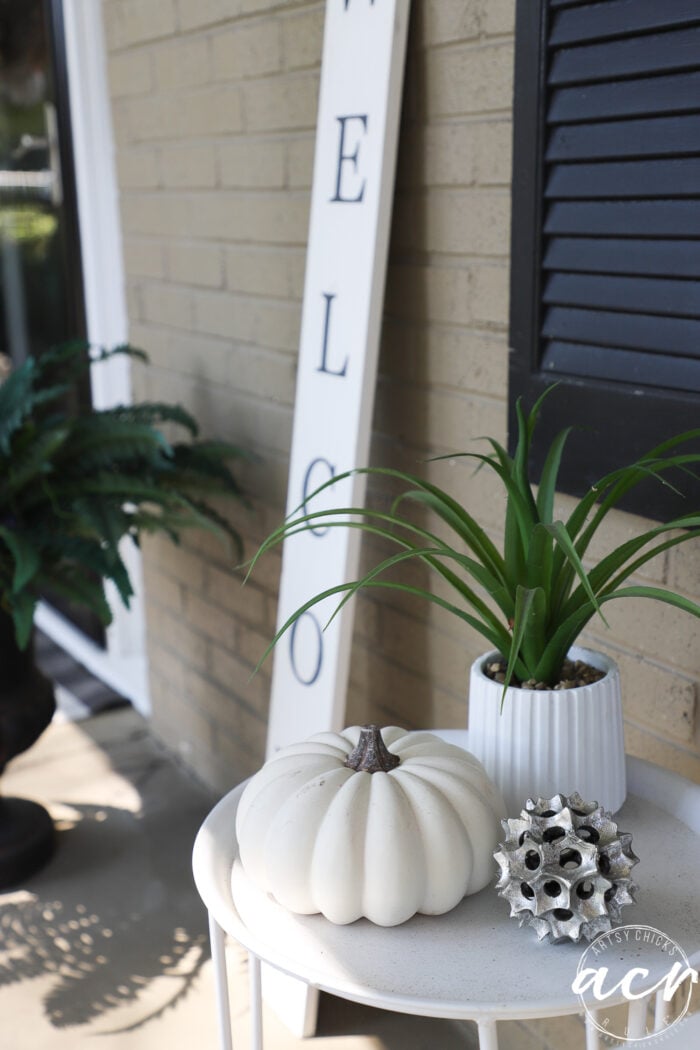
(107,946)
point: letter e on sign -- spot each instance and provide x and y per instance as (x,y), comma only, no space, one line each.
(348,158)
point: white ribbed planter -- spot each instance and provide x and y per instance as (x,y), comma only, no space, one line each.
(546,742)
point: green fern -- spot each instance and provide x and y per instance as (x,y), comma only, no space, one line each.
(24,554)
(16,402)
(101,442)
(152,412)
(72,583)
(32,459)
(107,519)
(94,556)
(72,487)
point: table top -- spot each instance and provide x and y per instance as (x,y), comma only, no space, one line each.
(473,962)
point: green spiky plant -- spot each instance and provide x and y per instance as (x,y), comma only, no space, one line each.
(73,484)
(532,600)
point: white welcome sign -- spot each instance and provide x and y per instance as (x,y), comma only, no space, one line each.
(361,80)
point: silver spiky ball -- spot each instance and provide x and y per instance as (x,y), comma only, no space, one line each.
(565,868)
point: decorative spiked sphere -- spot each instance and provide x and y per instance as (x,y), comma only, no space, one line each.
(565,868)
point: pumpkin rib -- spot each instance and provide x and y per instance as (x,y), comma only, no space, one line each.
(459,784)
(330,872)
(392,891)
(291,773)
(471,772)
(290,835)
(428,833)
(412,772)
(396,739)
(429,744)
(305,748)
(452,756)
(487,812)
(348,738)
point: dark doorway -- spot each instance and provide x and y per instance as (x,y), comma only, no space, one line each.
(41,287)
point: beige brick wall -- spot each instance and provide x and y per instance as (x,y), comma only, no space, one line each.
(214,109)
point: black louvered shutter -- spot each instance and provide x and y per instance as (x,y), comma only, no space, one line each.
(605,289)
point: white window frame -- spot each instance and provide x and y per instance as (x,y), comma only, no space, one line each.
(123,664)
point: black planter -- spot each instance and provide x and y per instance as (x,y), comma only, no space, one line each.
(27,705)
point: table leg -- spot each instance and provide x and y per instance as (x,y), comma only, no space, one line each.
(637,1019)
(661,1011)
(488,1035)
(592,1035)
(255,1002)
(223,1008)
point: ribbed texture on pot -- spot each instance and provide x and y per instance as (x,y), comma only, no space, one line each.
(548,742)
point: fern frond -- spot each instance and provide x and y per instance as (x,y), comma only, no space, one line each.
(30,462)
(151,412)
(98,442)
(106,518)
(16,400)
(207,517)
(73,585)
(24,555)
(192,463)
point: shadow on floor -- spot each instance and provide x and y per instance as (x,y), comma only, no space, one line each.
(115,912)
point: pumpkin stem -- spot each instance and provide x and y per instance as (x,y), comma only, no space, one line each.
(370,754)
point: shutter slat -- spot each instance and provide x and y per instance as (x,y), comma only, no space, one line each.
(620,271)
(634,294)
(620,18)
(625,179)
(625,218)
(643,96)
(605,255)
(614,363)
(657,136)
(605,328)
(655,53)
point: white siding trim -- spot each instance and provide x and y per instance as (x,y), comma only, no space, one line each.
(123,665)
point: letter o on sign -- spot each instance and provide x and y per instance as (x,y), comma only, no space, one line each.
(306,648)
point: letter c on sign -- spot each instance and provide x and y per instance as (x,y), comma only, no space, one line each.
(307,490)
(306,650)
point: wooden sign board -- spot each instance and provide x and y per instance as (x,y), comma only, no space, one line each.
(355,160)
(361,80)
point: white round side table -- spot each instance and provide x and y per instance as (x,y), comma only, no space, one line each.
(472,963)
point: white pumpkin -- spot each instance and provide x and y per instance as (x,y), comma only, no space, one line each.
(324,836)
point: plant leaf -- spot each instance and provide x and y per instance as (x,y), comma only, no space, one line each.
(15,401)
(548,480)
(524,600)
(32,462)
(615,567)
(431,556)
(658,594)
(562,538)
(22,607)
(24,554)
(462,523)
(76,587)
(387,585)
